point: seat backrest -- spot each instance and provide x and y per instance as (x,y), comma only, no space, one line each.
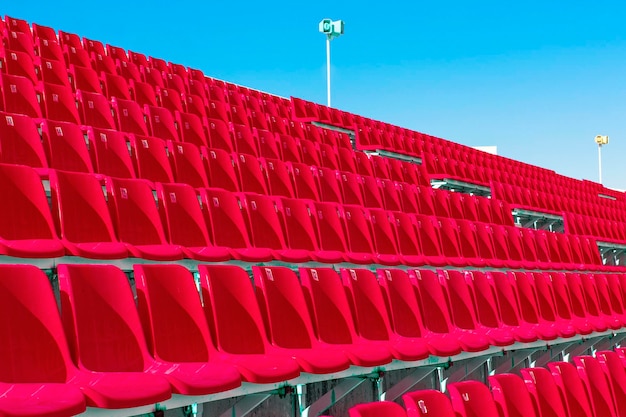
(507,298)
(472,399)
(33,345)
(572,388)
(150,158)
(24,212)
(187,164)
(462,302)
(101,320)
(433,299)
(20,142)
(487,311)
(224,215)
(511,394)
(231,309)
(282,301)
(330,309)
(427,403)
(171,313)
(79,208)
(542,387)
(134,212)
(66,146)
(404,307)
(597,385)
(370,313)
(182,216)
(263,221)
(109,153)
(299,224)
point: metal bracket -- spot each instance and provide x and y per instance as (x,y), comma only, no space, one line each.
(329,399)
(246,405)
(407,383)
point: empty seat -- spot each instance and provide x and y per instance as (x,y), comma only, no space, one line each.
(59,104)
(66,146)
(224,214)
(371,318)
(472,399)
(38,351)
(20,142)
(597,385)
(463,309)
(95,110)
(304,181)
(220,169)
(333,320)
(543,389)
(19,63)
(511,395)
(219,135)
(427,403)
(251,179)
(26,226)
(435,301)
(187,164)
(574,396)
(177,333)
(105,334)
(83,221)
(288,322)
(150,159)
(185,224)
(130,118)
(136,220)
(85,79)
(234,315)
(19,95)
(115,86)
(161,123)
(190,129)
(278,177)
(110,153)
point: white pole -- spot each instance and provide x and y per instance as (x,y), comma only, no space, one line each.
(328,69)
(600,163)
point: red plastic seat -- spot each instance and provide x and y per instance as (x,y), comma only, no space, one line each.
(66,146)
(129,117)
(190,129)
(84,79)
(161,123)
(544,391)
(83,221)
(472,399)
(19,63)
(331,237)
(109,153)
(463,308)
(105,334)
(511,395)
(26,226)
(20,142)
(572,389)
(220,169)
(187,164)
(95,110)
(136,220)
(251,179)
(597,386)
(406,316)
(375,409)
(371,317)
(38,374)
(115,86)
(333,320)
(185,224)
(177,333)
(19,95)
(435,301)
(150,158)
(289,325)
(427,403)
(235,318)
(224,214)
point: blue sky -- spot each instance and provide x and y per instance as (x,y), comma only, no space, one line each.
(539,79)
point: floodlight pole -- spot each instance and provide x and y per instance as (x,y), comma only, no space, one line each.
(328,69)
(600,163)
(600,140)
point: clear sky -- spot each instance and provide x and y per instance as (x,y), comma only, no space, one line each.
(539,79)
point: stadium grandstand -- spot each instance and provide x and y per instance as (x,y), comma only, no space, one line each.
(172,244)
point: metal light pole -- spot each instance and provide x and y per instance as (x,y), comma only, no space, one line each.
(332,29)
(600,140)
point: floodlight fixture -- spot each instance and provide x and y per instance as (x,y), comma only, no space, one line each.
(332,29)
